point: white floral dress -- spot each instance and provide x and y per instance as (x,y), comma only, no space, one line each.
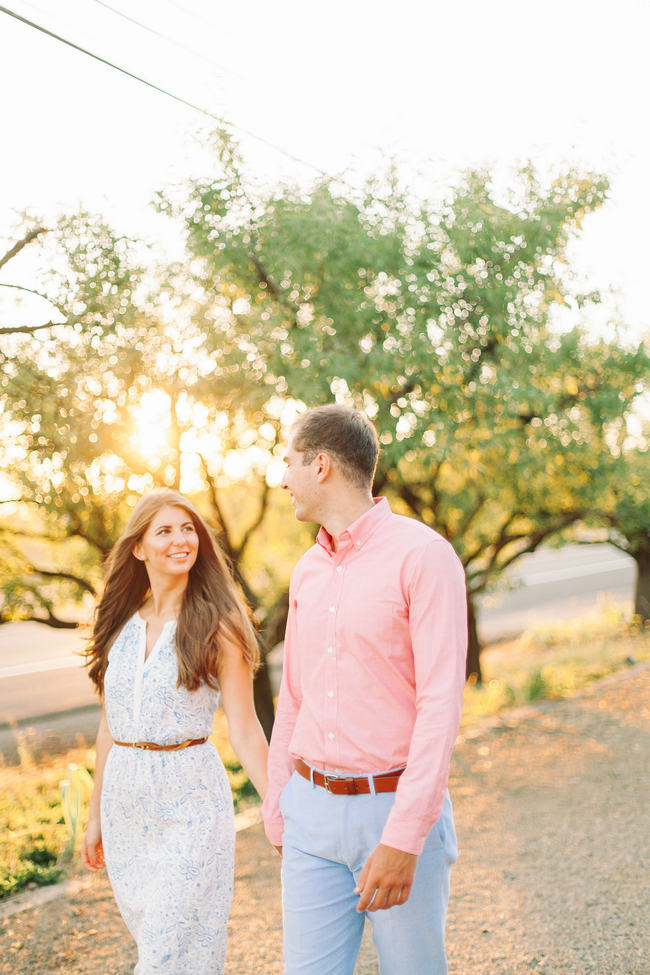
(167,817)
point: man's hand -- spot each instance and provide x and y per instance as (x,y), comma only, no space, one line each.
(386,879)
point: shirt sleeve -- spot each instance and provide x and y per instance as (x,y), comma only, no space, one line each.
(280,762)
(438,630)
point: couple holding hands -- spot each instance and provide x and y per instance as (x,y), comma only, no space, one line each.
(355,780)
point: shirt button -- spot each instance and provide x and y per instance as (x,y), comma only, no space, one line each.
(331,609)
(330,693)
(331,736)
(339,569)
(330,650)
(358,544)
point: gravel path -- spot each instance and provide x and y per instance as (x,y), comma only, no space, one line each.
(551,808)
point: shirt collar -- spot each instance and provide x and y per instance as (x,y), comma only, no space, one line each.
(358,533)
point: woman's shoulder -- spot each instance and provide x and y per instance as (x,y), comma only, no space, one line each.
(128,630)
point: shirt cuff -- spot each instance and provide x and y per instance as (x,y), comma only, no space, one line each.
(409,839)
(273,825)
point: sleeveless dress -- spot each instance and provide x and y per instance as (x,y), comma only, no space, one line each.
(167,817)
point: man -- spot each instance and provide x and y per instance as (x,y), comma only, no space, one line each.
(368,713)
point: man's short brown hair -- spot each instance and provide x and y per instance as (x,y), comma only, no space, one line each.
(346,434)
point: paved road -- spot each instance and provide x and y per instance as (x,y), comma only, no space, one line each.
(45,694)
(556,584)
(40,671)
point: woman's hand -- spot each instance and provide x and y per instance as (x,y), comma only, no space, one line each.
(92,851)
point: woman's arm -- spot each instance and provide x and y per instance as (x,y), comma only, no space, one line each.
(244,730)
(92,854)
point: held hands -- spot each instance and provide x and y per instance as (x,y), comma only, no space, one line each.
(92,852)
(386,879)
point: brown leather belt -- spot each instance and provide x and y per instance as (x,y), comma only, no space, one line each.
(151,746)
(349,785)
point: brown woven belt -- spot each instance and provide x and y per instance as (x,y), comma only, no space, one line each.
(349,785)
(151,746)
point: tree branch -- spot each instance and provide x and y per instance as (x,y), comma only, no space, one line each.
(609,540)
(462,528)
(411,499)
(75,530)
(26,329)
(483,546)
(39,294)
(18,246)
(408,387)
(536,538)
(49,574)
(380,481)
(42,536)
(80,533)
(224,534)
(225,538)
(49,620)
(265,278)
(264,501)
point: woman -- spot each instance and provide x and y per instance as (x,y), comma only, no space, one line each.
(169,630)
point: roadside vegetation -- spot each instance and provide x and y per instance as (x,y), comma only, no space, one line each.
(555,660)
(41,822)
(40,830)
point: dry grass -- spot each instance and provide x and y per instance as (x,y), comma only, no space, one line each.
(555,660)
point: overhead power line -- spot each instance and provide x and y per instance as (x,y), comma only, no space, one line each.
(158,33)
(172,95)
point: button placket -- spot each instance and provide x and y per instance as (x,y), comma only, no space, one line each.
(139,674)
(331,670)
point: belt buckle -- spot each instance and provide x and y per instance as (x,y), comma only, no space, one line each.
(347,779)
(326,782)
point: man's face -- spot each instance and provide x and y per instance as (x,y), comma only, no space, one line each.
(301,482)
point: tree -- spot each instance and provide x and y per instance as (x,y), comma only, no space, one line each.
(439,324)
(73,405)
(627,514)
(436,320)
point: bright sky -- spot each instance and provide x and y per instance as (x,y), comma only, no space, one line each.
(441,86)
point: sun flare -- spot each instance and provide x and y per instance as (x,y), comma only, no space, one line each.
(152,420)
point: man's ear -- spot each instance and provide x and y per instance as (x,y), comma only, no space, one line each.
(323,466)
(137,552)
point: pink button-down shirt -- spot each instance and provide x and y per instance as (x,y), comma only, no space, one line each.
(374,667)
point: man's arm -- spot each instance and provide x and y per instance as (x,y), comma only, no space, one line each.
(281,764)
(438,630)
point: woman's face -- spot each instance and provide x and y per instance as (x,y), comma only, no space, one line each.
(170,544)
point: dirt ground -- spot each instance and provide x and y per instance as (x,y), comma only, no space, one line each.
(551,811)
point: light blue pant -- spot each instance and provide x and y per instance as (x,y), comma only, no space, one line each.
(327,840)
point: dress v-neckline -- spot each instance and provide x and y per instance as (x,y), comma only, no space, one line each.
(146,657)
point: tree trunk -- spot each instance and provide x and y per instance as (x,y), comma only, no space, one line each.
(641,556)
(272,632)
(473,665)
(264,699)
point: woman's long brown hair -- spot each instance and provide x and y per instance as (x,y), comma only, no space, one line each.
(211,608)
